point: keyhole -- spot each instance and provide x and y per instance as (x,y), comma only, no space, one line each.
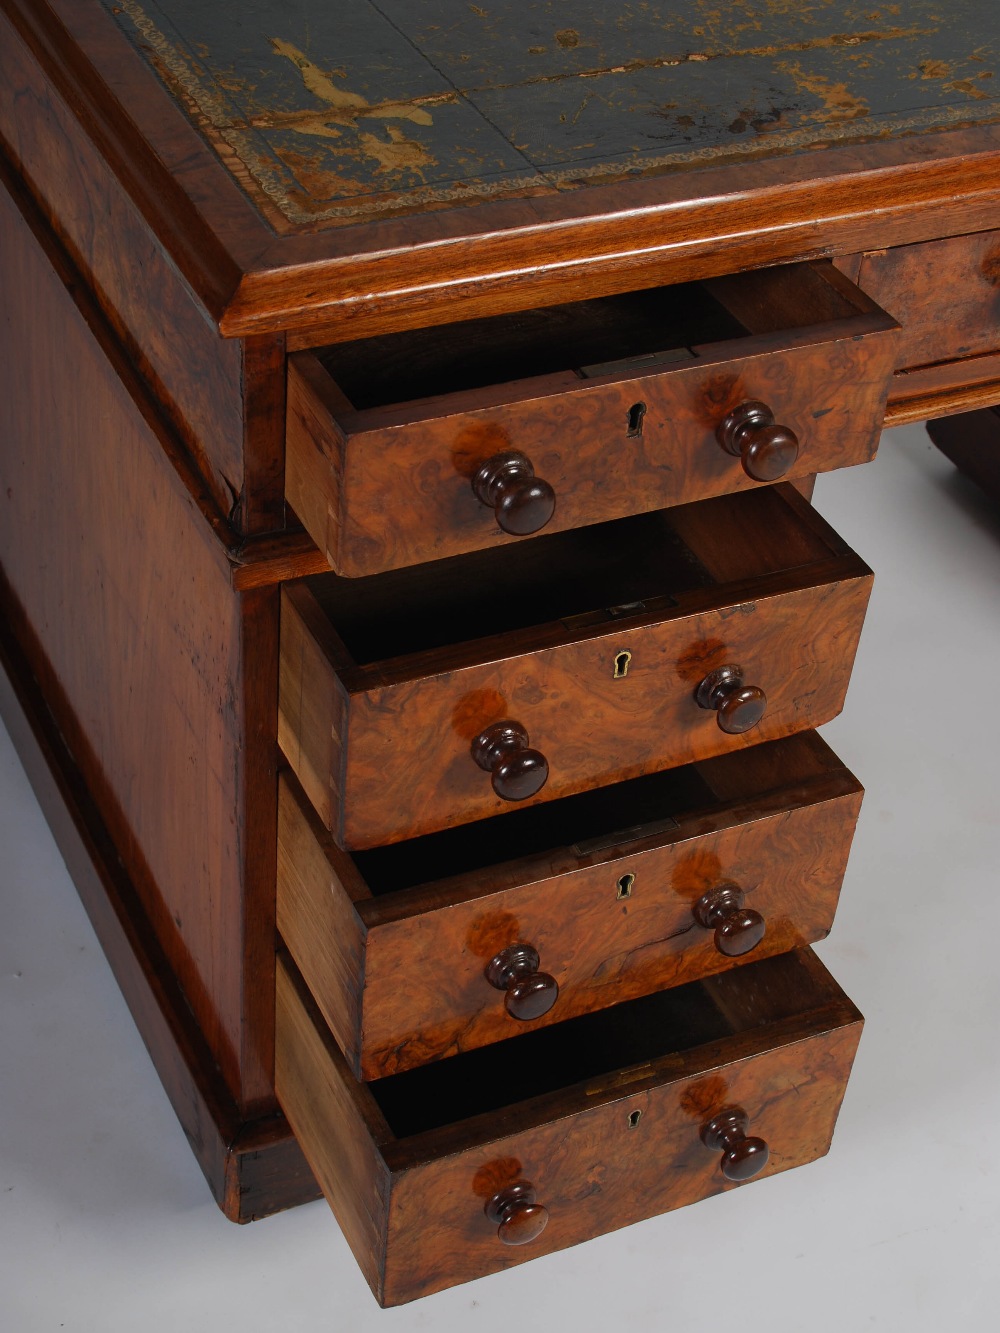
(625,886)
(635,415)
(622,660)
(634,1118)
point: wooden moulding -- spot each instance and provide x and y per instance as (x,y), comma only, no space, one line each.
(377,717)
(380,482)
(253,1166)
(601,1115)
(394,943)
(943,390)
(671,230)
(411,272)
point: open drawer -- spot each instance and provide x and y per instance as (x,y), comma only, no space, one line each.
(473,1164)
(417,446)
(428,697)
(423,949)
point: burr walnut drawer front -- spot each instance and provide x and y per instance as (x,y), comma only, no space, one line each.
(946,295)
(423,949)
(473,1164)
(429,697)
(418,446)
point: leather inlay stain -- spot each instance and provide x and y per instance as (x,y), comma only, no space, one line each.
(344,108)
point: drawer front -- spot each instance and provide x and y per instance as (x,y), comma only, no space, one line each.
(402,764)
(393,486)
(945,294)
(401,977)
(605,1153)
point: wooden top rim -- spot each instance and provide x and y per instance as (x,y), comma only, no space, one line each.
(256,274)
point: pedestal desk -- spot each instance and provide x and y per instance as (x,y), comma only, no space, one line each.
(414,620)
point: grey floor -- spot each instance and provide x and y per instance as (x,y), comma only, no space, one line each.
(106,1224)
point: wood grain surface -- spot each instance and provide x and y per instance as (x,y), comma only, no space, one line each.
(138,644)
(253,1166)
(391,485)
(398,972)
(945,294)
(409,1186)
(193,372)
(784,599)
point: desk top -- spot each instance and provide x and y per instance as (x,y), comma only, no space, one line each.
(332,169)
(334,113)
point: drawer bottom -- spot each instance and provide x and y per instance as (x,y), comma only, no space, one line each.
(470,1165)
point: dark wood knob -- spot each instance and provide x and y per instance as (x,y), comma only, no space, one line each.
(517,771)
(742,1157)
(766,449)
(522,502)
(519,1219)
(738,929)
(739,707)
(530,993)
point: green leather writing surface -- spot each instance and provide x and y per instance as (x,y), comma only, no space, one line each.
(340,110)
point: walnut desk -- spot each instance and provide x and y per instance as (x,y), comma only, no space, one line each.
(313,317)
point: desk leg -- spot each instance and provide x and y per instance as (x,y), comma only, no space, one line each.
(972,441)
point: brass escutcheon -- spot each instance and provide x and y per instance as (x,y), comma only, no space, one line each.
(622,661)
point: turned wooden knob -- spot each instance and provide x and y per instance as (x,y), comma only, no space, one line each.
(738,929)
(522,502)
(518,1217)
(765,449)
(739,707)
(530,993)
(517,771)
(742,1157)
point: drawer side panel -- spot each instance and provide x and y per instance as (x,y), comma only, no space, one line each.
(317,921)
(323,1104)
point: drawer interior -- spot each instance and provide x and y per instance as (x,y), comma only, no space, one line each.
(616,571)
(596,825)
(608,1052)
(654,328)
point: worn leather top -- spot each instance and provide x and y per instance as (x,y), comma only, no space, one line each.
(337,111)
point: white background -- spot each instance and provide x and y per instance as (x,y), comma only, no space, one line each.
(106,1223)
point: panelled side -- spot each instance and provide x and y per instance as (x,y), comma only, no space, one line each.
(199,377)
(125,601)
